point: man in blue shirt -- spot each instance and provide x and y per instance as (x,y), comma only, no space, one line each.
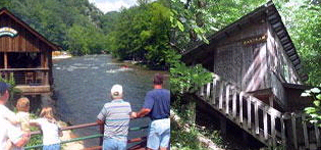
(157,106)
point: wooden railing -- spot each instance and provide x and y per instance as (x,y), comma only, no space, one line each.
(27,76)
(139,140)
(263,122)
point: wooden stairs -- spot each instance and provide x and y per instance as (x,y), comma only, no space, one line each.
(266,124)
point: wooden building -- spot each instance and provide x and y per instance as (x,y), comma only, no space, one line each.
(26,54)
(256,53)
(258,79)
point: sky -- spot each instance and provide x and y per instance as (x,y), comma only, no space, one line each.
(112,5)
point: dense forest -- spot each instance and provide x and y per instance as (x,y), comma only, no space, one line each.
(139,33)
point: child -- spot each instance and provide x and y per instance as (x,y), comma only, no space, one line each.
(23,106)
(21,118)
(50,129)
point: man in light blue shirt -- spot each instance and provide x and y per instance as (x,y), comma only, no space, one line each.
(116,116)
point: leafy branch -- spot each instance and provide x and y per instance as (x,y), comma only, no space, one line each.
(314,112)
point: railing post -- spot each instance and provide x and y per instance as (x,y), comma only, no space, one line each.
(202,91)
(249,117)
(220,103)
(265,122)
(256,115)
(234,103)
(5,57)
(227,99)
(293,120)
(317,134)
(283,130)
(305,131)
(208,91)
(214,90)
(101,129)
(241,107)
(273,131)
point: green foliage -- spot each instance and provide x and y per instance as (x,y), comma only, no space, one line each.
(303,19)
(55,20)
(13,91)
(186,79)
(187,139)
(314,112)
(195,20)
(35,139)
(141,33)
(184,140)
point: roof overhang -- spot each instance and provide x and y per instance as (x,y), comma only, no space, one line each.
(5,11)
(270,13)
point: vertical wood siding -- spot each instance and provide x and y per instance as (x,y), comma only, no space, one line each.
(23,42)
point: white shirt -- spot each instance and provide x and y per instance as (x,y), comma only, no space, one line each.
(50,131)
(6,113)
(7,130)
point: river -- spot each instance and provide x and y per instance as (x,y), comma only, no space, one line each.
(82,86)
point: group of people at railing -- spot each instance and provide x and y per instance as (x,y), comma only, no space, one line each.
(115,116)
(15,130)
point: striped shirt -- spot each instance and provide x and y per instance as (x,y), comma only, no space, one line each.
(116,115)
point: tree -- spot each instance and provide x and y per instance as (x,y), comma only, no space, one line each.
(142,33)
(304,25)
(314,112)
(55,20)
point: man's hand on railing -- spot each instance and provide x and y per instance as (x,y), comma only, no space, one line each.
(100,122)
(133,115)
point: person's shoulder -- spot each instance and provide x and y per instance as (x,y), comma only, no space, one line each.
(6,112)
(156,91)
(107,104)
(4,108)
(23,114)
(126,102)
(42,120)
(166,90)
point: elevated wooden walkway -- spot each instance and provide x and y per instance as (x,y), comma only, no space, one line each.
(266,124)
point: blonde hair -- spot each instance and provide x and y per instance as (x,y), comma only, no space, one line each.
(47,112)
(23,104)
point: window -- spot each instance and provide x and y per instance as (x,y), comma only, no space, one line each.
(285,70)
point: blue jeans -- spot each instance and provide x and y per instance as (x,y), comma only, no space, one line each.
(113,144)
(51,147)
(159,133)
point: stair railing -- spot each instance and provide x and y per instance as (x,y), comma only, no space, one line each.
(254,116)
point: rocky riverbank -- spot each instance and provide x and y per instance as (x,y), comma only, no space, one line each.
(68,135)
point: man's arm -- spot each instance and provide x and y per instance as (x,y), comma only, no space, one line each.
(23,140)
(101,125)
(13,121)
(143,112)
(100,122)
